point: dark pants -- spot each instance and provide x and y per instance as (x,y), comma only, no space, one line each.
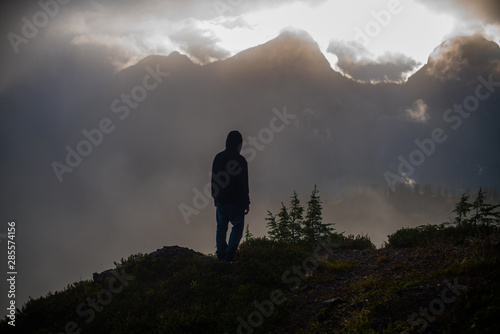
(232,212)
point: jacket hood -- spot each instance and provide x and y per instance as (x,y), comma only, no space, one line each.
(234,141)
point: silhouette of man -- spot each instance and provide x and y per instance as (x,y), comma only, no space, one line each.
(230,193)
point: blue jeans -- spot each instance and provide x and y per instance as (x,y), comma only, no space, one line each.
(231,212)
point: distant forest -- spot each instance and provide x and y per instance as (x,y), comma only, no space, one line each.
(408,197)
(378,211)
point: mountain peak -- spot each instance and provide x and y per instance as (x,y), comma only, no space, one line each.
(463,57)
(294,50)
(296,37)
(174,59)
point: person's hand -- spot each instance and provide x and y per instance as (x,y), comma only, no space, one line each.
(246,211)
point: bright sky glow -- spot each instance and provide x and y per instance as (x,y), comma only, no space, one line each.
(414,31)
(395,26)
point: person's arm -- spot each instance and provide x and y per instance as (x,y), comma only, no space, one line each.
(245,192)
(214,187)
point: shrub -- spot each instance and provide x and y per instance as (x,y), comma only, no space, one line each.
(425,235)
(357,242)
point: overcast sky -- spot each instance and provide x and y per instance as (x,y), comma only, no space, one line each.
(61,63)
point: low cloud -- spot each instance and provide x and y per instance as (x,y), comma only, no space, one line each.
(199,44)
(418,111)
(355,61)
(238,22)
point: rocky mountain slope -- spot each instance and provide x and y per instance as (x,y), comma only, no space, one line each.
(273,288)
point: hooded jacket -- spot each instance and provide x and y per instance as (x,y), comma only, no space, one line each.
(230,173)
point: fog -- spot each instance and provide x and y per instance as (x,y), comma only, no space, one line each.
(101,160)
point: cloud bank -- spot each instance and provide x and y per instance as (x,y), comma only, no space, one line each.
(355,61)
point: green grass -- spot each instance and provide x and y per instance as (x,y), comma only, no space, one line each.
(190,294)
(198,294)
(471,266)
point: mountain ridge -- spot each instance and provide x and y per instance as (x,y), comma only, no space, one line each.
(292,46)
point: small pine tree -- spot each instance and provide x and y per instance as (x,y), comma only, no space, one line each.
(278,225)
(296,218)
(284,233)
(484,212)
(314,228)
(248,234)
(489,215)
(477,205)
(462,209)
(272,225)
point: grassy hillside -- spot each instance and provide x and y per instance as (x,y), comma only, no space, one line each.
(341,285)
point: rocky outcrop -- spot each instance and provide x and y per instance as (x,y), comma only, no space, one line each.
(166,253)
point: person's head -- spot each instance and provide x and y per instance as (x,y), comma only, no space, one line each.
(234,141)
